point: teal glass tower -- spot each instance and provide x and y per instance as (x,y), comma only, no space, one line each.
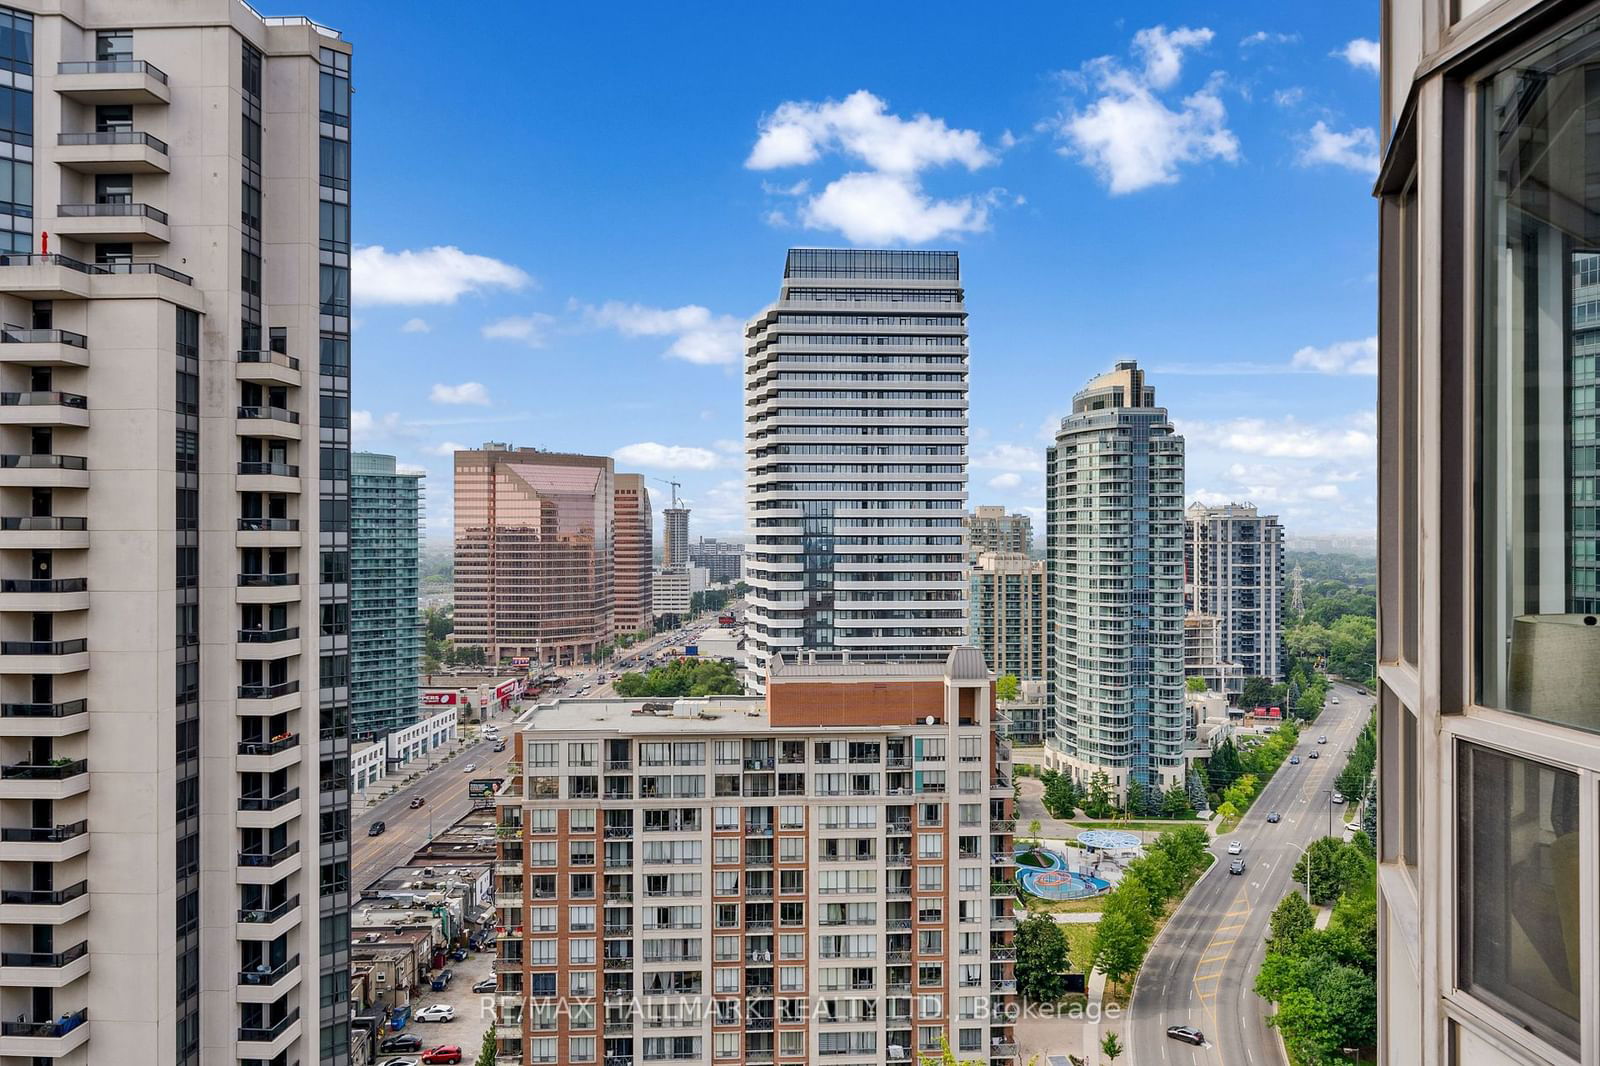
(385,630)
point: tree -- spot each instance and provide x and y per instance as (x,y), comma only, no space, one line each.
(685,677)
(1291,919)
(1042,960)
(1335,866)
(1060,795)
(1257,692)
(1119,946)
(1138,798)
(1098,803)
(1195,684)
(1006,688)
(487,1050)
(1175,803)
(1035,830)
(1111,1047)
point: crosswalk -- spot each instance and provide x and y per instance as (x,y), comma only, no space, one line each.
(1214,959)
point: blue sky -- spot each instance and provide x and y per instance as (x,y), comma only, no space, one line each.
(565,213)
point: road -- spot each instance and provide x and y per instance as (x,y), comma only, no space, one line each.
(444,788)
(1201,969)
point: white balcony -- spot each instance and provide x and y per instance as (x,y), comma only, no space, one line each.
(112,81)
(135,223)
(35,595)
(112,152)
(50,1039)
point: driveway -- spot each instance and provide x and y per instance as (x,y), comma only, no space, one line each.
(474,1011)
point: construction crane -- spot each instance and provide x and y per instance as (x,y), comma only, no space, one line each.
(676,485)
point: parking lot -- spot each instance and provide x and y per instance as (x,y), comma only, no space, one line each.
(474,1012)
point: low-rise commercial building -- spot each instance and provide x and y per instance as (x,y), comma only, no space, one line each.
(695,879)
(371,763)
(475,697)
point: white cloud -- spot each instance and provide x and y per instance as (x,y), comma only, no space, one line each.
(1009,457)
(1287,438)
(1005,481)
(1362,54)
(1287,98)
(889,209)
(437,275)
(1342,357)
(468,392)
(667,456)
(698,336)
(416,325)
(1356,150)
(799,188)
(801,131)
(1129,135)
(364,427)
(529,329)
(447,449)
(1263,37)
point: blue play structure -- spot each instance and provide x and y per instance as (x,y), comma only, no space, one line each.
(1055,881)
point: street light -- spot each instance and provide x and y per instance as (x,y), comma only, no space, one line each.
(1305,851)
(1329,793)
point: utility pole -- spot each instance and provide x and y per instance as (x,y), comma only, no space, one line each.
(1329,793)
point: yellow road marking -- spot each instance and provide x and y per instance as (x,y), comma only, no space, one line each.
(1239,909)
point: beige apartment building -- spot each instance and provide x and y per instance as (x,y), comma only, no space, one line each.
(174,375)
(1489,535)
(534,536)
(820,875)
(1008,613)
(634,546)
(990,529)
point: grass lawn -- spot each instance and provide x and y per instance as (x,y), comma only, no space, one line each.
(1157,826)
(1080,944)
(1028,858)
(1091,905)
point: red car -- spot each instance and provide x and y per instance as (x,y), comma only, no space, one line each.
(442,1053)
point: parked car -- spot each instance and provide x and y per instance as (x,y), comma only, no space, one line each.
(1273,818)
(408,1061)
(438,1012)
(488,984)
(417,801)
(403,1042)
(442,1053)
(459,955)
(1236,866)
(1187,1033)
(1234,847)
(1294,760)
(441,980)
(376,829)
(1354,827)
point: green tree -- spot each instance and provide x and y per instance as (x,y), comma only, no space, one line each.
(1006,688)
(1119,946)
(1060,796)
(487,1049)
(1307,641)
(1335,866)
(1111,1047)
(1257,692)
(1195,684)
(1035,830)
(1138,798)
(1042,961)
(1175,802)
(1291,919)
(684,677)
(1098,802)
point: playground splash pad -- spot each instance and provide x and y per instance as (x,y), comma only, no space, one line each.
(1054,881)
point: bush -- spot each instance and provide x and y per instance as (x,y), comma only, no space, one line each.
(684,677)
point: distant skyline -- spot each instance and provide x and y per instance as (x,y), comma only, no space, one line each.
(571,265)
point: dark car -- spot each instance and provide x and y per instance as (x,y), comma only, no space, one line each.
(402,1042)
(487,984)
(1187,1033)
(1236,866)
(1273,817)
(375,829)
(1294,760)
(1314,755)
(459,955)
(1361,692)
(417,801)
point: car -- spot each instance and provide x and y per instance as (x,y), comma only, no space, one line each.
(1187,1033)
(417,801)
(1236,866)
(1361,692)
(442,1053)
(1273,818)
(1338,797)
(471,766)
(1354,827)
(408,1061)
(458,955)
(499,745)
(438,1012)
(1334,700)
(401,1042)
(488,984)
(1294,760)
(376,829)
(1234,847)
(1322,740)
(1314,755)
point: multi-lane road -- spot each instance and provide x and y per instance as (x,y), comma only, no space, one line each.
(444,789)
(1201,969)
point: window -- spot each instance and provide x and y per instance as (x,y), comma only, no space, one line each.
(113,45)
(1518,853)
(1538,388)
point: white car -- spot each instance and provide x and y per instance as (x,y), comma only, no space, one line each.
(1338,797)
(471,766)
(1235,848)
(1354,827)
(439,1012)
(1334,700)
(402,1062)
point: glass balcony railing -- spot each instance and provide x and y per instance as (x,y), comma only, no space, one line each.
(43,897)
(52,960)
(111,137)
(50,771)
(43,710)
(112,66)
(59,584)
(45,834)
(48,1029)
(114,210)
